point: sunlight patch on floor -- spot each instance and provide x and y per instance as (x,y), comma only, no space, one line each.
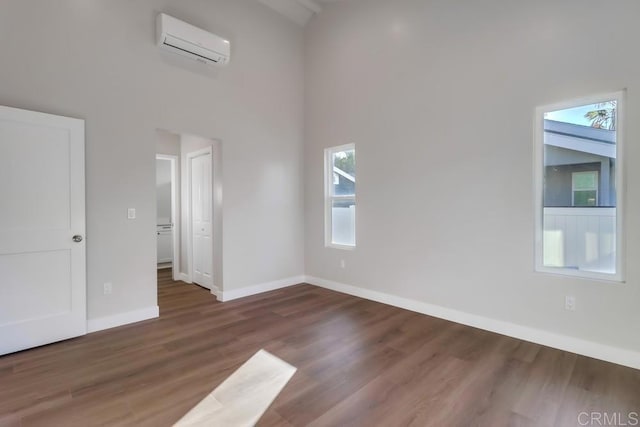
(243,397)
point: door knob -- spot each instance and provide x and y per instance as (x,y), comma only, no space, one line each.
(77,238)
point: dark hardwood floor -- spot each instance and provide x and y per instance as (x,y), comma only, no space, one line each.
(359,363)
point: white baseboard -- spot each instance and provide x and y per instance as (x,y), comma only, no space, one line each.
(604,352)
(217,292)
(107,322)
(258,289)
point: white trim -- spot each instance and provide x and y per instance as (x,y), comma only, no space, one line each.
(260,288)
(620,184)
(604,352)
(120,319)
(184,278)
(344,174)
(175,212)
(581,211)
(343,247)
(215,291)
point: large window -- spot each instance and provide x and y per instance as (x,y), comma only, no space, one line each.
(340,196)
(578,177)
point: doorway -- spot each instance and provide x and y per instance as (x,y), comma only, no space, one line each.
(167,213)
(193,229)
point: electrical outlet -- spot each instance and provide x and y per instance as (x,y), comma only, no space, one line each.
(131,213)
(570,303)
(343,264)
(108,288)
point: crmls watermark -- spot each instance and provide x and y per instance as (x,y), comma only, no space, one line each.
(596,418)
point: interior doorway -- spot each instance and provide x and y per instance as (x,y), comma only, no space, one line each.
(190,235)
(168,241)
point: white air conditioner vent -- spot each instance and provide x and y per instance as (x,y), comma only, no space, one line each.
(185,39)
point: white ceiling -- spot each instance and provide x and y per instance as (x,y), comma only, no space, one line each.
(299,11)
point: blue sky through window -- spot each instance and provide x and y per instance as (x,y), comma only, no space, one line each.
(576,115)
(573,115)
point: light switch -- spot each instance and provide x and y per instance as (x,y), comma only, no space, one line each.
(131,213)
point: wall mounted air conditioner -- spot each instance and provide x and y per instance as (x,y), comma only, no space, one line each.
(193,42)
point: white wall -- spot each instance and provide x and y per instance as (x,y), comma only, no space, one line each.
(163,191)
(97,60)
(167,143)
(439,98)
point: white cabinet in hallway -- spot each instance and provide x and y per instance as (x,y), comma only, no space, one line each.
(165,243)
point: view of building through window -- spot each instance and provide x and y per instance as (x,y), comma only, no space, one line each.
(579,186)
(341,192)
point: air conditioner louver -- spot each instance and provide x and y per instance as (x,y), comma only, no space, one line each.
(187,40)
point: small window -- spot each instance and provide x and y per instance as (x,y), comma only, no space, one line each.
(340,197)
(578,177)
(584,188)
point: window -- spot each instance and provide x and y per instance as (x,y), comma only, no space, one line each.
(584,186)
(340,197)
(578,174)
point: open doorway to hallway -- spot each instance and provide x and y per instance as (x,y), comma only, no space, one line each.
(167,203)
(189,209)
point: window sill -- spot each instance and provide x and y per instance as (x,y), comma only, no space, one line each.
(343,247)
(581,274)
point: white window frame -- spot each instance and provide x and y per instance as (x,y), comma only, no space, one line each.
(574,189)
(619,185)
(329,197)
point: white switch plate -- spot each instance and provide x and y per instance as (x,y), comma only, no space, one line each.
(343,264)
(570,303)
(108,288)
(131,213)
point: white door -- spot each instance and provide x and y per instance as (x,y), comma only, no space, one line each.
(202,221)
(42,268)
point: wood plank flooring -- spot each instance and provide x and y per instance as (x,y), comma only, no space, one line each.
(359,363)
